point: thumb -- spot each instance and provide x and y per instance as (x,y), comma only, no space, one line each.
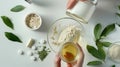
(57,61)
(81,56)
(71,4)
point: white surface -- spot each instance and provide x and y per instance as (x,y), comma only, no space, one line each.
(50,10)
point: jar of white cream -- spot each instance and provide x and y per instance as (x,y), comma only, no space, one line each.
(83,10)
(33,21)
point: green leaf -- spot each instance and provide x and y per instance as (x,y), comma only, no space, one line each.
(12,37)
(102,53)
(106,44)
(97,31)
(94,52)
(113,66)
(101,50)
(94,63)
(7,22)
(99,44)
(119,7)
(102,44)
(108,29)
(18,8)
(118,14)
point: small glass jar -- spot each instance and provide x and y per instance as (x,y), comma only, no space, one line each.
(69,52)
(82,11)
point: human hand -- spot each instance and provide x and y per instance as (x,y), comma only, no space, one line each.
(78,63)
(71,3)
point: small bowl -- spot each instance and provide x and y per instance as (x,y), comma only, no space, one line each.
(114,45)
(33,21)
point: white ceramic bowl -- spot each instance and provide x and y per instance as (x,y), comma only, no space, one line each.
(34,22)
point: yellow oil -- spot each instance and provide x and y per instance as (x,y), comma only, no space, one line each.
(69,51)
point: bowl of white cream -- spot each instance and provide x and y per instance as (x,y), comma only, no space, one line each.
(114,52)
(33,21)
(64,30)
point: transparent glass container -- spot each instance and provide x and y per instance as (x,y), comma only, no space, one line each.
(69,52)
(58,27)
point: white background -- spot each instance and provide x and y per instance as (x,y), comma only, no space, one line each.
(50,10)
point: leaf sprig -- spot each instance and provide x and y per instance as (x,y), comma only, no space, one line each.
(99,52)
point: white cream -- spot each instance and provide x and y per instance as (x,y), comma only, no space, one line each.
(71,33)
(33,21)
(82,10)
